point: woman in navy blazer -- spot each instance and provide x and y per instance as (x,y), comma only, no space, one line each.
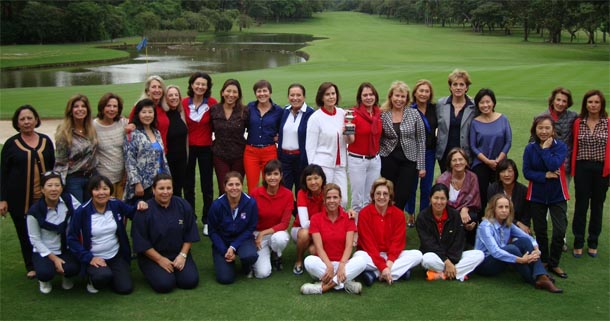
(292,135)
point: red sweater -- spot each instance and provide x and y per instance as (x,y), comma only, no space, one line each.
(200,133)
(314,204)
(162,123)
(274,211)
(378,233)
(368,131)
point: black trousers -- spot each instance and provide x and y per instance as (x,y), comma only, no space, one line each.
(402,173)
(202,156)
(162,281)
(116,274)
(24,240)
(550,254)
(590,188)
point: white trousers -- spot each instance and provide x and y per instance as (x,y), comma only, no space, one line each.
(405,261)
(275,242)
(316,268)
(362,174)
(337,175)
(469,261)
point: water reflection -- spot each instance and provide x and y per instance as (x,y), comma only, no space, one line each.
(222,54)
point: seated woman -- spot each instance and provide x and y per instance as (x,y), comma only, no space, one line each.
(47,221)
(97,237)
(463,189)
(504,244)
(275,204)
(442,238)
(162,237)
(309,202)
(382,237)
(231,221)
(333,234)
(506,184)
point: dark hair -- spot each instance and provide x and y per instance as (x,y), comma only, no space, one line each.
(270,167)
(297,85)
(561,90)
(19,110)
(104,101)
(322,89)
(232,82)
(96,182)
(457,150)
(262,84)
(139,106)
(233,174)
(382,181)
(161,177)
(537,121)
(584,112)
(482,93)
(363,85)
(438,187)
(312,169)
(504,165)
(194,77)
(420,83)
(49,175)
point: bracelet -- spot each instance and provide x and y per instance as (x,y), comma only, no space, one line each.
(183,255)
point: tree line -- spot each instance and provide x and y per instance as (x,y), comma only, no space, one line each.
(41,22)
(546,18)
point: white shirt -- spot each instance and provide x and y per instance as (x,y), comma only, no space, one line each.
(45,242)
(290,134)
(453,193)
(323,132)
(104,241)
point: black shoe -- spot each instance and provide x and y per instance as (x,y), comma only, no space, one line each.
(276,262)
(368,277)
(406,276)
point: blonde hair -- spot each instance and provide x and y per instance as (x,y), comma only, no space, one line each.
(399,86)
(382,181)
(180,108)
(63,135)
(422,82)
(490,210)
(459,73)
(149,80)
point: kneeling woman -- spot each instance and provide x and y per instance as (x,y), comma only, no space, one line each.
(442,238)
(382,237)
(162,237)
(47,222)
(275,204)
(231,221)
(98,238)
(333,235)
(505,244)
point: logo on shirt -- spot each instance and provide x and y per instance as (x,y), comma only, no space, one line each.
(243,215)
(180,222)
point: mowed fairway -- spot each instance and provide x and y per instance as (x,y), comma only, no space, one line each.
(358,48)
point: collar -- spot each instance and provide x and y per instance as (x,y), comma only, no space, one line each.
(303,108)
(327,112)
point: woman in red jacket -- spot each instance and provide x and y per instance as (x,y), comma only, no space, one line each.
(382,237)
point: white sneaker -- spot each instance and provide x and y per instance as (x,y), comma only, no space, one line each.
(353,287)
(67,283)
(311,288)
(205,230)
(45,287)
(90,288)
(250,274)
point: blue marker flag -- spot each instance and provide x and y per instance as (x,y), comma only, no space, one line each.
(142,44)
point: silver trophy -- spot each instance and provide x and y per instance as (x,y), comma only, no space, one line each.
(350,128)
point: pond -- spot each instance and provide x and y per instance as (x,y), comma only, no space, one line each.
(228,53)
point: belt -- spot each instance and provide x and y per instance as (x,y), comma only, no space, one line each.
(361,156)
(85,174)
(260,145)
(291,152)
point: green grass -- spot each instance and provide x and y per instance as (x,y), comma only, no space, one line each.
(359,48)
(36,55)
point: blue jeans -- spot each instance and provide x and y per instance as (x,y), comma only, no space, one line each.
(529,272)
(225,271)
(45,269)
(425,186)
(77,186)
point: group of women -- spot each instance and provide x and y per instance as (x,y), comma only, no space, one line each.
(311,154)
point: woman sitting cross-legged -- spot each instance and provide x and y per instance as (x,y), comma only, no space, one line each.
(97,237)
(505,244)
(163,236)
(47,222)
(382,237)
(442,238)
(231,221)
(333,234)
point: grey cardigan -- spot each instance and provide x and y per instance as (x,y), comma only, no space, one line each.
(443,110)
(412,136)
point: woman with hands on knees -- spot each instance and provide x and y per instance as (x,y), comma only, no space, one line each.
(506,184)
(543,166)
(231,221)
(333,234)
(442,239)
(382,237)
(98,238)
(310,200)
(275,204)
(47,222)
(505,244)
(163,236)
